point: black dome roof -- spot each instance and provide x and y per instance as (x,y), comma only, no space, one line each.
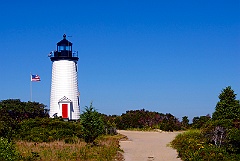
(64,42)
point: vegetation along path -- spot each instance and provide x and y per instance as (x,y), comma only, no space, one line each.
(148,146)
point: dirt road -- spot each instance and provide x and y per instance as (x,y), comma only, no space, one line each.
(148,146)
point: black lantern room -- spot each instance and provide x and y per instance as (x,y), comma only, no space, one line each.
(64,51)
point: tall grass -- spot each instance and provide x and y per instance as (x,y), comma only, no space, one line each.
(105,149)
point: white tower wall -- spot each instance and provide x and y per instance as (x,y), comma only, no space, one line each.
(64,85)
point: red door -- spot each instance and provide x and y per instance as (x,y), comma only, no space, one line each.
(64,111)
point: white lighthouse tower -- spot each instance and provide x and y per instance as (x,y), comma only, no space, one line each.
(64,99)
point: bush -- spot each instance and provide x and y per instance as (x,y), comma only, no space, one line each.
(187,143)
(223,133)
(192,145)
(144,119)
(216,131)
(13,111)
(233,138)
(7,151)
(92,124)
(198,122)
(47,129)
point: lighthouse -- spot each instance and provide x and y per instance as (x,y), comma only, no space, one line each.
(64,96)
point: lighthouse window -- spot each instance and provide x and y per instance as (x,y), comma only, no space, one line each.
(60,48)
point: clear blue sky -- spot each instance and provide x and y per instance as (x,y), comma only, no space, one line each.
(164,56)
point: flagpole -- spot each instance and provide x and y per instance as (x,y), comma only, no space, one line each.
(31,87)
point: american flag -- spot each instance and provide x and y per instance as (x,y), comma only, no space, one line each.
(35,78)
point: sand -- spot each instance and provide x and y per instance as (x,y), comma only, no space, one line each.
(148,146)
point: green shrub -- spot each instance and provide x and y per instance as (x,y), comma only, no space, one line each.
(47,129)
(144,119)
(223,133)
(214,153)
(92,124)
(233,138)
(192,145)
(187,143)
(216,131)
(7,151)
(198,122)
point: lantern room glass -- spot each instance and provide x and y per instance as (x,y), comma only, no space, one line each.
(64,48)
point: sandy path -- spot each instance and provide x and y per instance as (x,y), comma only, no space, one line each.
(148,146)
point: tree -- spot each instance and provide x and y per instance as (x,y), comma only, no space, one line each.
(13,111)
(92,124)
(223,130)
(185,122)
(228,107)
(198,122)
(19,111)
